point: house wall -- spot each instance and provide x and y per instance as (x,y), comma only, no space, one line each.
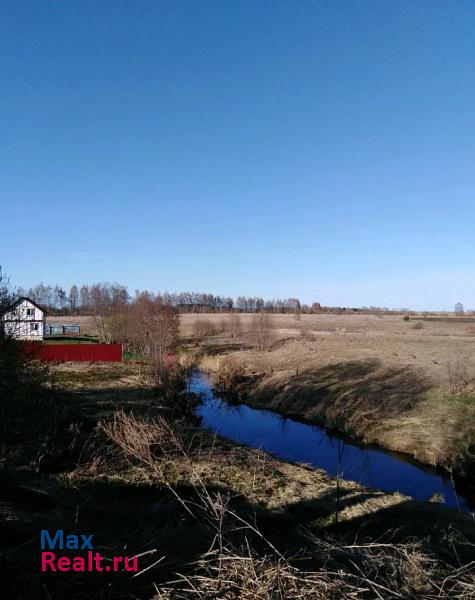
(25,321)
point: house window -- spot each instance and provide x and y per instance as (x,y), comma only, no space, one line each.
(33,326)
(29,312)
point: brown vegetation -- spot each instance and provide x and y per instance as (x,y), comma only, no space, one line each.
(261,330)
(235,325)
(209,518)
(461,372)
(379,379)
(204,327)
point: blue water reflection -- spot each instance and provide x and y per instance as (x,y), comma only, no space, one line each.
(314,445)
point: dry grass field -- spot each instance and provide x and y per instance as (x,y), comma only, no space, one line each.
(330,339)
(405,385)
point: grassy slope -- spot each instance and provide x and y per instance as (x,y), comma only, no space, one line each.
(124,505)
(377,378)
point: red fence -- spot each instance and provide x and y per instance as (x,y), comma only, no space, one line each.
(75,352)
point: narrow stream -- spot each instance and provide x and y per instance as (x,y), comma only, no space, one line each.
(316,446)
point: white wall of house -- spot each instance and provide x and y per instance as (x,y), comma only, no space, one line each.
(25,321)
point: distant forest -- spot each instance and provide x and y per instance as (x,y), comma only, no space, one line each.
(92,299)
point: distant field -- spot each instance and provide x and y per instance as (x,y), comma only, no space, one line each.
(426,346)
(446,319)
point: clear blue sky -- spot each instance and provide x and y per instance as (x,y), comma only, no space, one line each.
(324,150)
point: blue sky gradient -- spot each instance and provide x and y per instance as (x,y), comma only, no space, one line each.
(324,150)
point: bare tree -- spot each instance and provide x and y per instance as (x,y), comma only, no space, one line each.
(114,324)
(235,324)
(153,332)
(85,297)
(5,296)
(203,328)
(458,309)
(101,311)
(73,297)
(262,331)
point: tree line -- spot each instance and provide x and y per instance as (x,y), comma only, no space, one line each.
(95,298)
(86,299)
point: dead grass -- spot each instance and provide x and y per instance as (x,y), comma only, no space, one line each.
(461,374)
(212,519)
(405,386)
(355,571)
(205,327)
(255,568)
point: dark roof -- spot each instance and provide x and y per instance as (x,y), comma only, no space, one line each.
(29,300)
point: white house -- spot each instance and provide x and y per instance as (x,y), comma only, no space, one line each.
(25,320)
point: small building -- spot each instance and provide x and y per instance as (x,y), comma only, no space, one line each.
(59,329)
(24,320)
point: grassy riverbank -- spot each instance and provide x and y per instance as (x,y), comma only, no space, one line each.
(208,516)
(406,386)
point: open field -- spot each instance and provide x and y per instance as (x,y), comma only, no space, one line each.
(190,503)
(405,385)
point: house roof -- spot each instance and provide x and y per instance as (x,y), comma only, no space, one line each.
(17,302)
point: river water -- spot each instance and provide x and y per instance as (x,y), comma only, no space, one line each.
(314,445)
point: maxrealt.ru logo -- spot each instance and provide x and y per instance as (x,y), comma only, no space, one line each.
(53,546)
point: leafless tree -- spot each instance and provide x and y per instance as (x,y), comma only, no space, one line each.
(458,309)
(153,332)
(235,324)
(5,296)
(262,331)
(84,297)
(101,311)
(73,297)
(204,328)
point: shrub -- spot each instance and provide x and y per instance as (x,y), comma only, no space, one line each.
(262,331)
(461,376)
(229,374)
(235,325)
(204,328)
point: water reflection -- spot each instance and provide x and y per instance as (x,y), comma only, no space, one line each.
(318,447)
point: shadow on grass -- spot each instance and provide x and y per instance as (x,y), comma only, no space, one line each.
(351,395)
(130,519)
(125,520)
(214,349)
(70,339)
